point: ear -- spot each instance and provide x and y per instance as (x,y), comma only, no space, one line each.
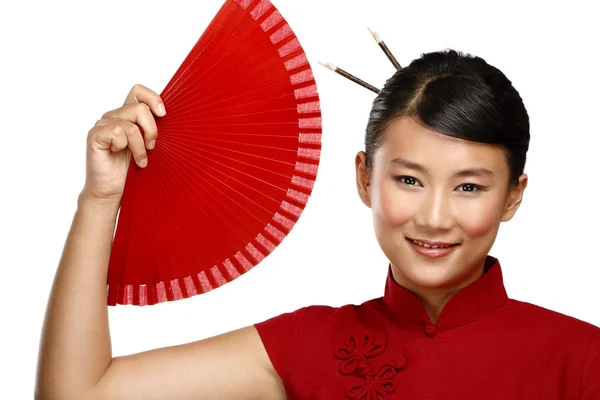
(363,185)
(514,198)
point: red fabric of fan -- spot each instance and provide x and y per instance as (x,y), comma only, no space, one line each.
(233,167)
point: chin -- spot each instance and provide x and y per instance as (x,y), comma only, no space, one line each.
(431,276)
(431,273)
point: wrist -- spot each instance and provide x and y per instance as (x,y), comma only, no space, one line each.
(89,201)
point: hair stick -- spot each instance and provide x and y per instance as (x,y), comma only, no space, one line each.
(348,75)
(385,49)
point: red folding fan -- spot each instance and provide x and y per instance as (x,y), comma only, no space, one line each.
(233,167)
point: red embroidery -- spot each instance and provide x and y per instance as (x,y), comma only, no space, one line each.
(379,384)
(355,353)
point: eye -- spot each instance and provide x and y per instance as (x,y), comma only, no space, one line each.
(410,181)
(471,187)
(407,180)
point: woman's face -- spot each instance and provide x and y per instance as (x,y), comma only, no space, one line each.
(428,186)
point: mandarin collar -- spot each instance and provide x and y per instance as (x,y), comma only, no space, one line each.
(470,303)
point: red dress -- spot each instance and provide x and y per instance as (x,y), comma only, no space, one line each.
(484,346)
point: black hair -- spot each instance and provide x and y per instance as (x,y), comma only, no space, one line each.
(458,95)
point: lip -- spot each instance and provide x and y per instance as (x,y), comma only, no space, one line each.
(432,243)
(432,253)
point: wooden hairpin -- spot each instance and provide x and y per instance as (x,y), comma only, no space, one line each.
(353,78)
(349,76)
(385,49)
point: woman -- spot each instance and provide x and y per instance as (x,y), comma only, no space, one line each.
(446,144)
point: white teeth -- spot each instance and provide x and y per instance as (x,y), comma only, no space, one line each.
(428,246)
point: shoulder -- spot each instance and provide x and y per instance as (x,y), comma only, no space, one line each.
(571,338)
(286,334)
(547,317)
(329,314)
(548,326)
(315,318)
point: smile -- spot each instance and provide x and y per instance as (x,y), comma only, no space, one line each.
(432,246)
(432,250)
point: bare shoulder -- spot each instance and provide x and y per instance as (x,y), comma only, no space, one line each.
(234,365)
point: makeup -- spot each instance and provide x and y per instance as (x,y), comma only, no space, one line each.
(430,252)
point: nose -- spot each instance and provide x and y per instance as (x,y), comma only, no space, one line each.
(434,212)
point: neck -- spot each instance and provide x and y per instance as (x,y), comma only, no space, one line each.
(434,299)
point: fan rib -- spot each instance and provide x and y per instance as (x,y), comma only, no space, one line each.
(296,62)
(287,48)
(217,189)
(302,167)
(302,76)
(302,152)
(194,102)
(273,19)
(244,262)
(194,111)
(220,60)
(265,243)
(307,91)
(231,269)
(234,190)
(310,138)
(280,34)
(259,10)
(234,167)
(243,134)
(192,57)
(244,184)
(306,168)
(275,233)
(162,172)
(298,196)
(169,170)
(201,284)
(247,144)
(200,196)
(238,115)
(254,253)
(311,154)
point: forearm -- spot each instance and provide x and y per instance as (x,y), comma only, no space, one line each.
(75,347)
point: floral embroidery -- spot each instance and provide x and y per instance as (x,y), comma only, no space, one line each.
(355,352)
(356,355)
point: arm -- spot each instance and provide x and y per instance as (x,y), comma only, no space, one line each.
(590,374)
(75,355)
(75,359)
(229,366)
(75,347)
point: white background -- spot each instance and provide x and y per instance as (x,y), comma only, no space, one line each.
(63,64)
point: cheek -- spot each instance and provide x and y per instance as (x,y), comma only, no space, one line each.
(478,219)
(389,206)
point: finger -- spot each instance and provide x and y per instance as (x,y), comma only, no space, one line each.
(139,114)
(135,142)
(105,137)
(119,135)
(141,94)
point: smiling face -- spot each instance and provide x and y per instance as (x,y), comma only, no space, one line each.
(428,186)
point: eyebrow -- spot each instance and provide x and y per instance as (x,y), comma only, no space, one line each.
(462,173)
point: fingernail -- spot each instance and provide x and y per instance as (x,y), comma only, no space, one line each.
(161,109)
(143,163)
(151,144)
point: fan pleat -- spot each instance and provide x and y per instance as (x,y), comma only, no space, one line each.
(233,167)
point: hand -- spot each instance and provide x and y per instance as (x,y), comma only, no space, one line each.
(114,138)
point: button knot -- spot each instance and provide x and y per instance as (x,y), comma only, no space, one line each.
(431,330)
